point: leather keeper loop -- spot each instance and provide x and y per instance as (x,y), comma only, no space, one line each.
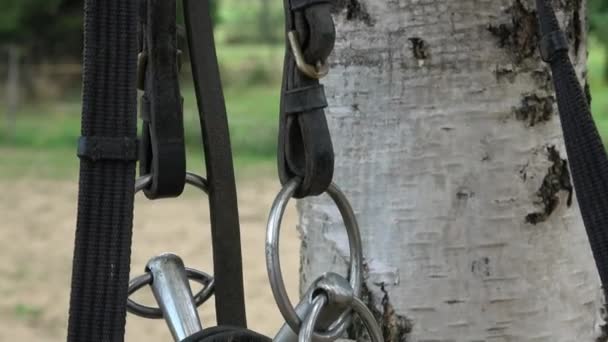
(304,99)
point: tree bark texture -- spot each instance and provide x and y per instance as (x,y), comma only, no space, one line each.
(448,144)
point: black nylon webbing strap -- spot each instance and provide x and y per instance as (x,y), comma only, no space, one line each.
(100,273)
(163,153)
(227,262)
(305,149)
(588,160)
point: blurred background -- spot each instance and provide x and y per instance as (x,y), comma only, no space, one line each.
(40,75)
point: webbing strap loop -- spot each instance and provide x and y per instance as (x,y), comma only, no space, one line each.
(305,147)
(107,148)
(163,153)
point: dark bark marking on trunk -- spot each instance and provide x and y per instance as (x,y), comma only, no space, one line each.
(535,109)
(556,180)
(505,72)
(520,35)
(395,327)
(354,11)
(420,48)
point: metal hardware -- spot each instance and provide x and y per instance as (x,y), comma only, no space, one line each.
(273,263)
(335,287)
(155,313)
(146,279)
(320,70)
(368,320)
(191,178)
(172,292)
(308,326)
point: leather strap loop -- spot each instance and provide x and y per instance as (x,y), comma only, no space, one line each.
(551,44)
(305,147)
(163,153)
(305,99)
(97,148)
(302,4)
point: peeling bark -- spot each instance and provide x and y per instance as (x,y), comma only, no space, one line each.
(520,35)
(556,181)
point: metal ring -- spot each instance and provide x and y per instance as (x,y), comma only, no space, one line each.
(191,179)
(155,313)
(368,320)
(308,327)
(146,279)
(316,72)
(273,263)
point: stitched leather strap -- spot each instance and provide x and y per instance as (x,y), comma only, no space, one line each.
(163,153)
(305,147)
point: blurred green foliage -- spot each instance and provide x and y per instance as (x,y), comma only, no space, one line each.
(250,48)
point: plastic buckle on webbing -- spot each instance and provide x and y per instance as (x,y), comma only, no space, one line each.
(552,43)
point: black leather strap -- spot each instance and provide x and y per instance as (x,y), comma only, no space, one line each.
(163,153)
(100,272)
(587,157)
(227,262)
(225,334)
(305,147)
(296,5)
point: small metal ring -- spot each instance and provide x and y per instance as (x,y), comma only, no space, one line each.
(273,263)
(191,179)
(368,320)
(308,326)
(317,71)
(146,279)
(155,313)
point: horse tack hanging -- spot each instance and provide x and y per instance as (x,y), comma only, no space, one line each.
(108,150)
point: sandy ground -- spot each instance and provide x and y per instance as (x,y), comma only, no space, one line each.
(37,222)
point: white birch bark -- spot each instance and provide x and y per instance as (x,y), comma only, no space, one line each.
(448,144)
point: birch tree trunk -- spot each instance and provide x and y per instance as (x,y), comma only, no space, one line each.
(448,144)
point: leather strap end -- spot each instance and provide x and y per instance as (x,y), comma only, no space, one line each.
(108,148)
(297,5)
(551,44)
(304,99)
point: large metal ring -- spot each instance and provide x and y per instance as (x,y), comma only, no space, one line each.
(146,279)
(273,263)
(155,313)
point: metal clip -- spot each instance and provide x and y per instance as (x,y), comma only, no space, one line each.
(317,72)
